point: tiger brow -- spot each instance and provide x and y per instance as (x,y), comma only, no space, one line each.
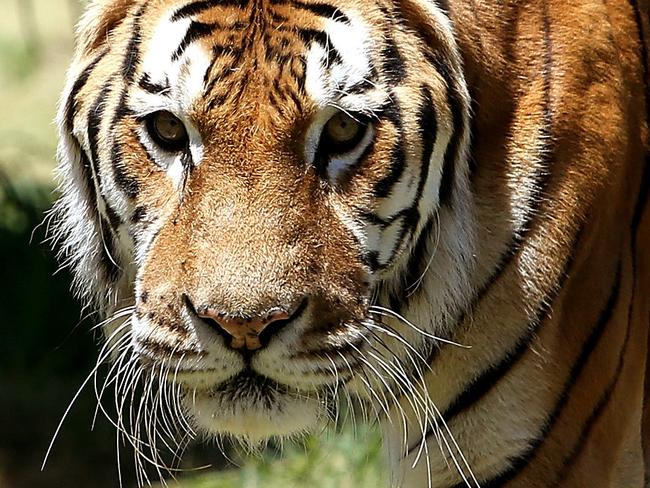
(198,7)
(317,8)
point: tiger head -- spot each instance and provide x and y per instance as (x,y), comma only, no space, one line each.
(258,187)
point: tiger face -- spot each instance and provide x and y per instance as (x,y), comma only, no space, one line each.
(256,186)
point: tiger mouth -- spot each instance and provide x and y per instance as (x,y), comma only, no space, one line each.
(253,407)
(250,384)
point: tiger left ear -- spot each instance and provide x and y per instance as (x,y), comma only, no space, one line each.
(100,18)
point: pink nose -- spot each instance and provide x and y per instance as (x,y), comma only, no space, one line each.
(245,333)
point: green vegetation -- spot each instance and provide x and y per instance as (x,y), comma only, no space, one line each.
(46,350)
(342,460)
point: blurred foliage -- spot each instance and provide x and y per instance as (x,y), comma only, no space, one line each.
(19,60)
(346,459)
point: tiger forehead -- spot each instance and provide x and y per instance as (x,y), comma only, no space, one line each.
(223,49)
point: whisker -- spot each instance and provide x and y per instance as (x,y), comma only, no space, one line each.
(389,313)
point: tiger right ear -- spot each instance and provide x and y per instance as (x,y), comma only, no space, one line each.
(100,18)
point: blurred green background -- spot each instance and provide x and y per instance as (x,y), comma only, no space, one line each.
(46,349)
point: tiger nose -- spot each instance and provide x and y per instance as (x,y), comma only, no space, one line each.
(246,333)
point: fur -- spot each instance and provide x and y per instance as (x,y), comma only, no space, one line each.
(475,273)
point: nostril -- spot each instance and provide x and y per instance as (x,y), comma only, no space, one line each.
(245,332)
(210,320)
(275,326)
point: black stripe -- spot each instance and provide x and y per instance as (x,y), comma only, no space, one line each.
(113,218)
(132,57)
(320,9)
(456,106)
(310,36)
(110,270)
(393,114)
(428,129)
(218,52)
(361,87)
(139,214)
(123,110)
(452,150)
(89,181)
(196,8)
(410,219)
(197,30)
(71,106)
(393,66)
(323,10)
(108,252)
(607,394)
(415,267)
(95,116)
(154,88)
(443,5)
(494,373)
(521,461)
(127,184)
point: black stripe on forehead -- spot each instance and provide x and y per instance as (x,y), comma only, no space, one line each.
(154,88)
(132,57)
(315,36)
(196,31)
(320,9)
(198,7)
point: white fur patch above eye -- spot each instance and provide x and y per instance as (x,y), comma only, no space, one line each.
(326,83)
(157,62)
(351,42)
(184,76)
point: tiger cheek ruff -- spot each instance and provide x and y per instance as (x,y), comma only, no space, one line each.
(434,210)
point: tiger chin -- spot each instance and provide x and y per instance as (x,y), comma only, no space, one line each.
(433,214)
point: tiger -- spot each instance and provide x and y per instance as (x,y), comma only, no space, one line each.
(428,214)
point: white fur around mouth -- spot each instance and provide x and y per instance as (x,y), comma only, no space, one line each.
(253,409)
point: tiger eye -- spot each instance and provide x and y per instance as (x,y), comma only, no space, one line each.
(342,128)
(168,131)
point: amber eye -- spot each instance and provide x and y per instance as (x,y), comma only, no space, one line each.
(343,130)
(168,131)
(341,134)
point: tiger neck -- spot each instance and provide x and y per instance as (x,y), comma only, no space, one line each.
(550,313)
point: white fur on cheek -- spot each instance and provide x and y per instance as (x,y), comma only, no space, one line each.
(351,42)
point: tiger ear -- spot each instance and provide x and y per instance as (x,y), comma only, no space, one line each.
(100,18)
